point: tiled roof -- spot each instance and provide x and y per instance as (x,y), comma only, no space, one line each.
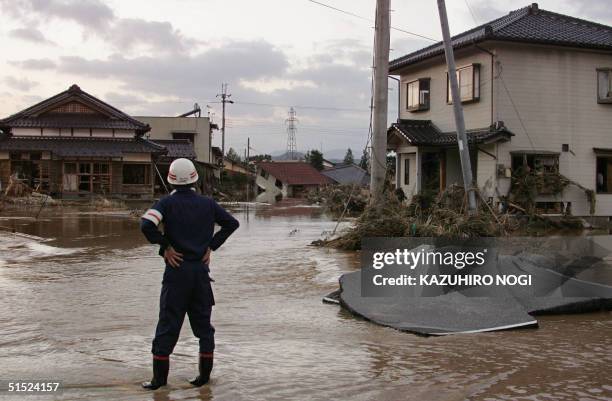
(69,121)
(177,148)
(347,174)
(295,173)
(80,147)
(104,115)
(424,132)
(528,24)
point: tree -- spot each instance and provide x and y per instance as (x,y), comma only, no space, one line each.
(233,156)
(348,157)
(364,163)
(315,158)
(260,158)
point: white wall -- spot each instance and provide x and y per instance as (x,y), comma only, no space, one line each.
(477,115)
(408,153)
(555,93)
(486,171)
(268,184)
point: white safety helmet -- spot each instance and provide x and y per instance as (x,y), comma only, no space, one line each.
(182,172)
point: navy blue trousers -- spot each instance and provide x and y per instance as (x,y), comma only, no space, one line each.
(185,290)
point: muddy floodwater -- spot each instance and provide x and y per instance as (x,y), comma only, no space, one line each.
(79,303)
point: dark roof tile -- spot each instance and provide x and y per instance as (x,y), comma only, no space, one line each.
(177,148)
(425,133)
(80,147)
(347,174)
(105,116)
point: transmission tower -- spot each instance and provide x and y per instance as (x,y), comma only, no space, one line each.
(291,130)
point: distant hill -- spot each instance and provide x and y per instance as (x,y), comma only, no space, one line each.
(300,156)
(333,155)
(285,156)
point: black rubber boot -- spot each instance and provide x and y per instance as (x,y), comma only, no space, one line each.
(161,366)
(205,364)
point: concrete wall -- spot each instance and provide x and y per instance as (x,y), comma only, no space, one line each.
(163,127)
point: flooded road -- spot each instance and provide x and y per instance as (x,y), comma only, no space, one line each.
(80,302)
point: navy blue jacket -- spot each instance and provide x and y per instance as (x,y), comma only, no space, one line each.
(189,222)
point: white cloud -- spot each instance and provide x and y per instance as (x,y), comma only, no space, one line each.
(21,84)
(30,34)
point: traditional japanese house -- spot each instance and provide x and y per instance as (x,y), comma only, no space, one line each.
(74,145)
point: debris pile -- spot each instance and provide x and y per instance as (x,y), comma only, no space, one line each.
(102,203)
(445,215)
(526,185)
(234,187)
(338,200)
(17,188)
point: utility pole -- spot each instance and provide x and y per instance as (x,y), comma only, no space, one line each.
(224,99)
(210,123)
(248,169)
(381,95)
(462,141)
(291,130)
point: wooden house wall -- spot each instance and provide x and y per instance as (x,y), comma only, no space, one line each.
(5,172)
(116,177)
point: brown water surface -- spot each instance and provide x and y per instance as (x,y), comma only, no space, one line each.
(79,304)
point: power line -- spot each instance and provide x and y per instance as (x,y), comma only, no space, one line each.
(300,106)
(471,12)
(369,20)
(517,112)
(341,11)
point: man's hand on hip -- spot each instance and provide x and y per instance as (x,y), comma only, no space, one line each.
(172,257)
(206,257)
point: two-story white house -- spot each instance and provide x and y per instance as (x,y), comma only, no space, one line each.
(536,89)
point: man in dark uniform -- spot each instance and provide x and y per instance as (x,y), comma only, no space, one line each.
(186,243)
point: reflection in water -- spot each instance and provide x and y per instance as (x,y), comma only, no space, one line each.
(82,308)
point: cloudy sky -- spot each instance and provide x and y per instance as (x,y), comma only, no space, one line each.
(153,57)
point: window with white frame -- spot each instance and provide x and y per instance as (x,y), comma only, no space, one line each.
(604,85)
(417,95)
(468,78)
